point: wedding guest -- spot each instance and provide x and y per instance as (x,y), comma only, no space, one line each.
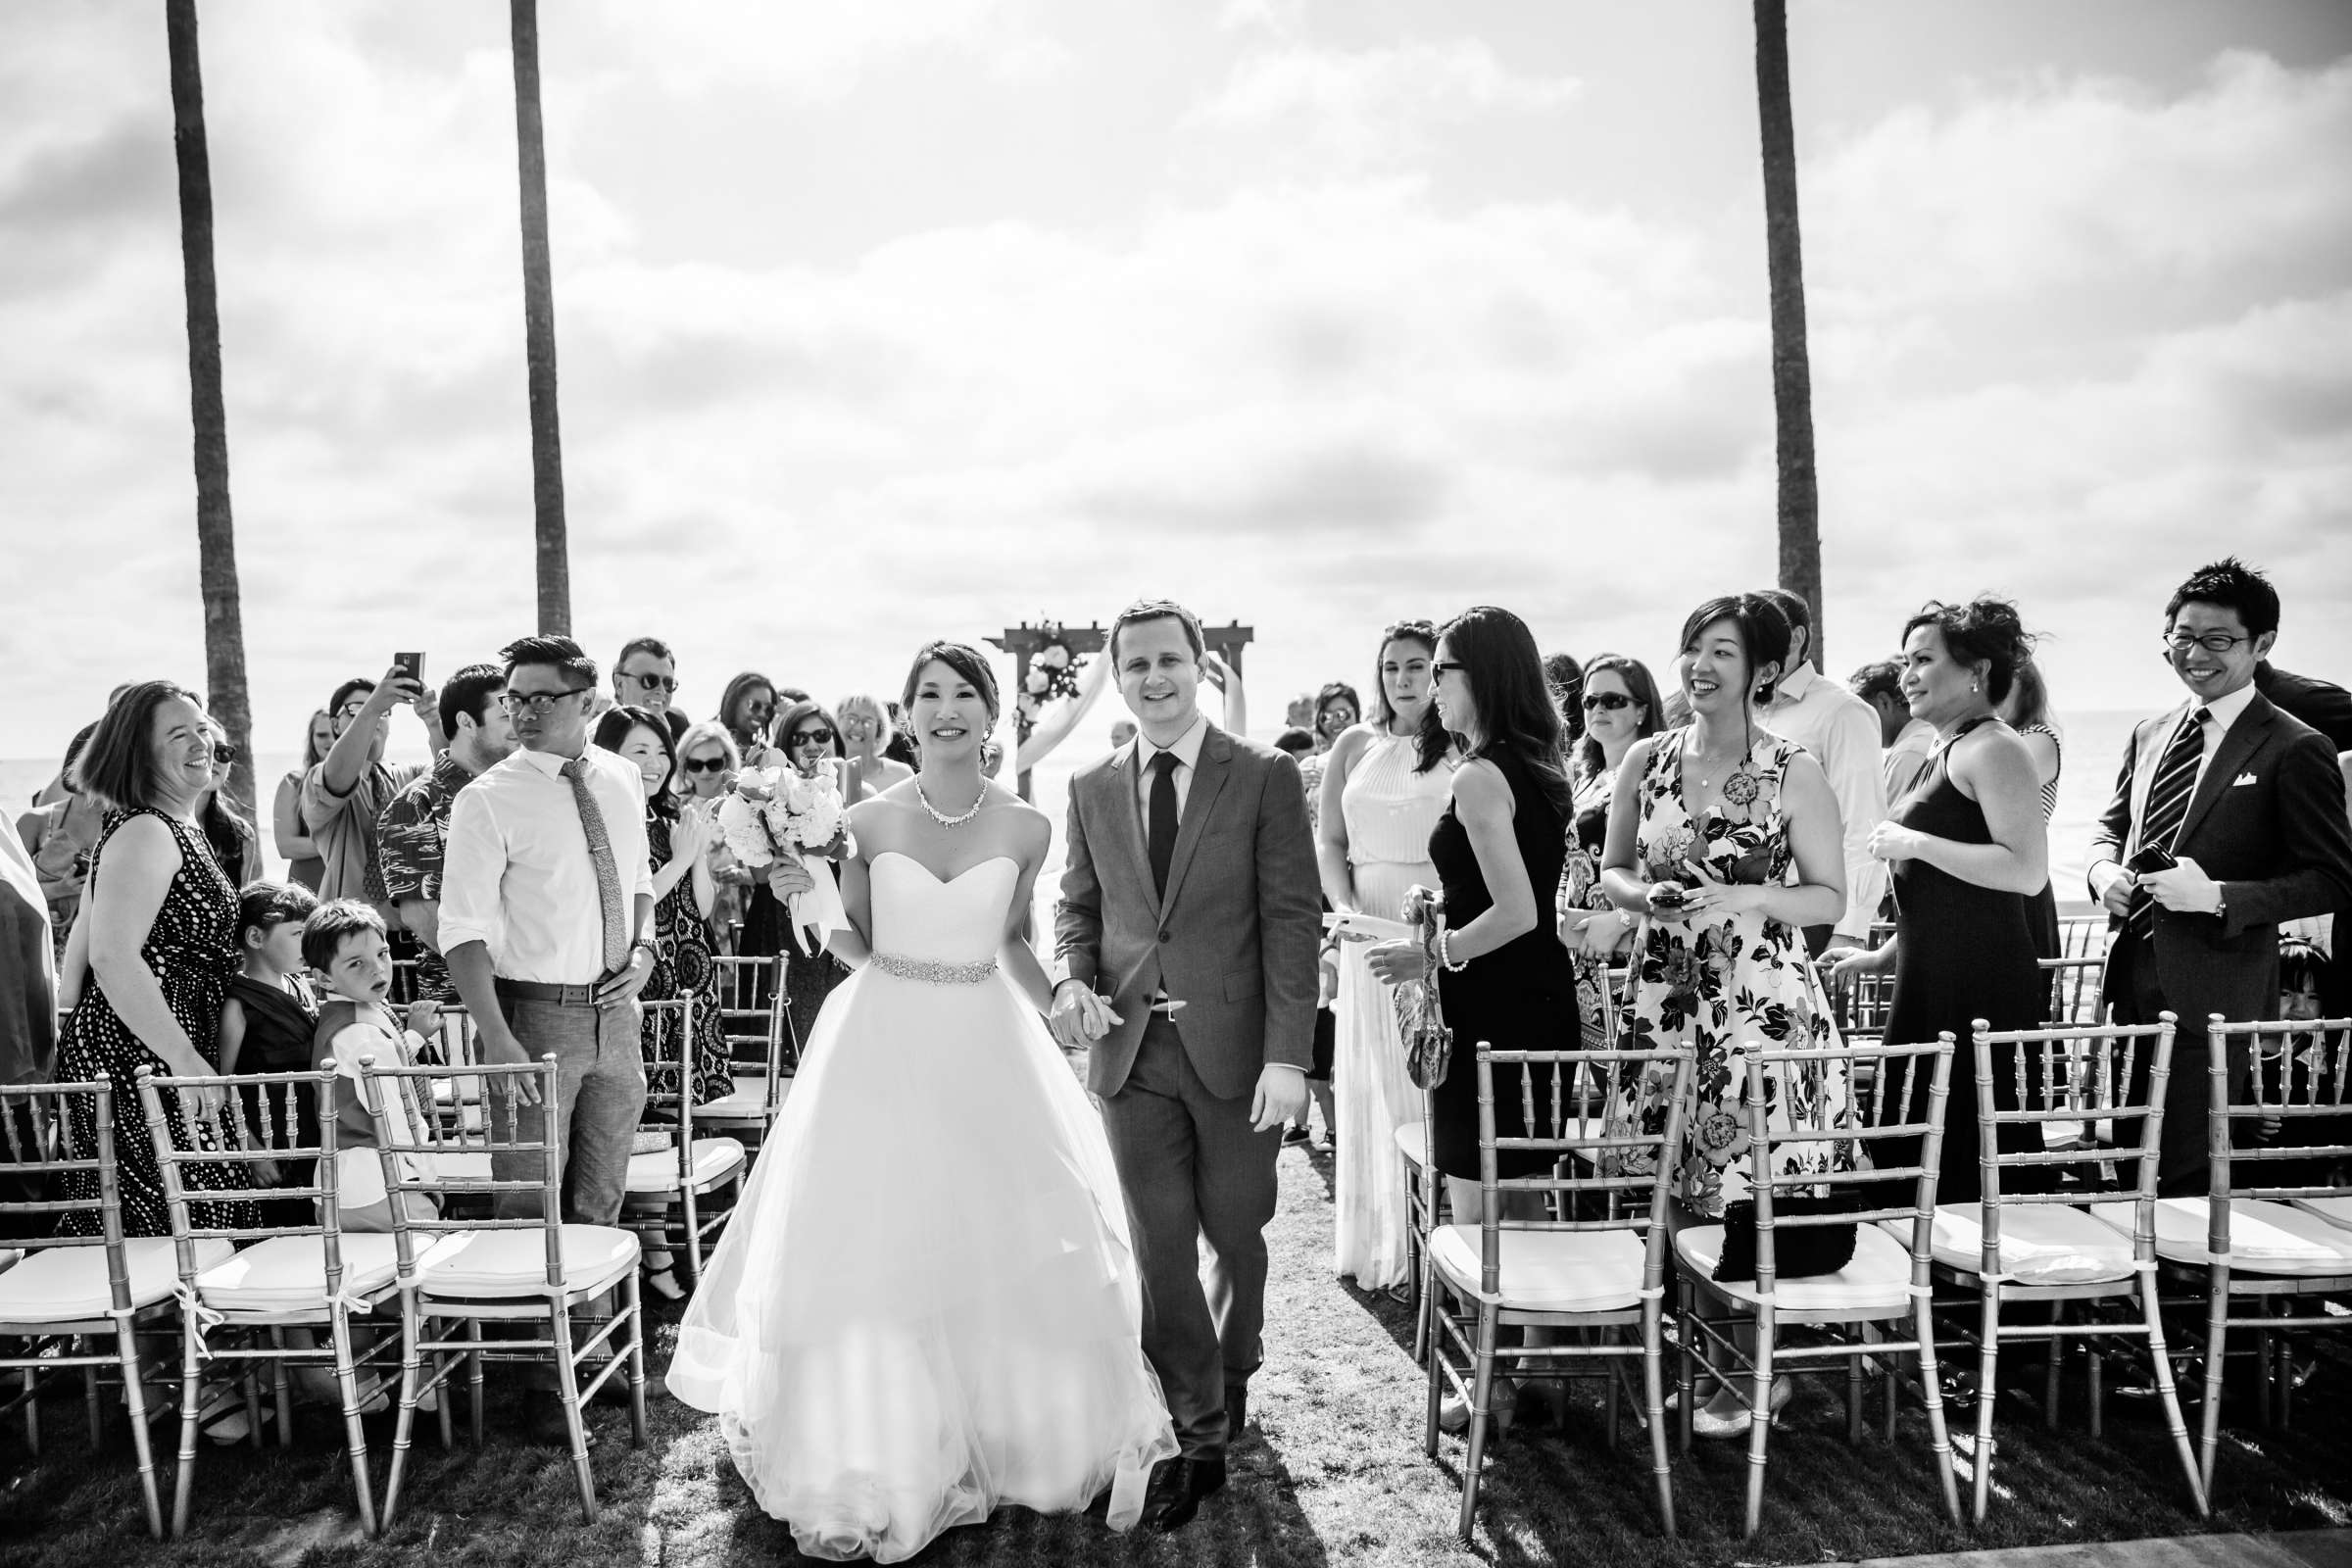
(267,1021)
(412,834)
(2232,812)
(1566,678)
(2322,703)
(1498,847)
(810,742)
(1841,733)
(57,788)
(901,749)
(160,933)
(746,708)
(344,944)
(1384,792)
(707,763)
(1336,709)
(866,733)
(27,1012)
(1904,742)
(1299,714)
(1122,733)
(2027,710)
(59,837)
(646,676)
(345,795)
(1969,848)
(295,846)
(1299,743)
(235,841)
(1620,704)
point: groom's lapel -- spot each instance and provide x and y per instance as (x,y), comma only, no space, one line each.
(1208,780)
(1117,783)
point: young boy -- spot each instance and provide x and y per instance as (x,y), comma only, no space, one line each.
(267,1022)
(344,944)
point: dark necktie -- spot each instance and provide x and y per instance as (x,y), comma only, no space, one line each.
(1159,820)
(2169,794)
(600,856)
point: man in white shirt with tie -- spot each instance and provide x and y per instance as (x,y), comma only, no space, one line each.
(1843,733)
(547,909)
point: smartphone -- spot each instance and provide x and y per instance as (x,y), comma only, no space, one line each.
(2151,857)
(411,666)
(1668,897)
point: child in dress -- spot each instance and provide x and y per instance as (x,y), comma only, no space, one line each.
(267,1022)
(344,944)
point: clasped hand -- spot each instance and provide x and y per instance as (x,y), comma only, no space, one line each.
(1892,842)
(1079,1015)
(1394,964)
(1706,893)
(2184,888)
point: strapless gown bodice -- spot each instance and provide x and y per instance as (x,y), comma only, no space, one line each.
(958,920)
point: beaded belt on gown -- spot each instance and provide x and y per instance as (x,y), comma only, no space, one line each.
(935,971)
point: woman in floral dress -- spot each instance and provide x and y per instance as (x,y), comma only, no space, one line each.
(1706,822)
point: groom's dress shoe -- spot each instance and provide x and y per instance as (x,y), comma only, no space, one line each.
(1177,1487)
(1236,1410)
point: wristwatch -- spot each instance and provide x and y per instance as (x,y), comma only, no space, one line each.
(647,942)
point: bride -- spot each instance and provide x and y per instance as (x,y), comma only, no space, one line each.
(926,1304)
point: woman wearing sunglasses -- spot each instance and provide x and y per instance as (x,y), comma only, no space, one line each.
(707,763)
(808,740)
(235,844)
(1620,702)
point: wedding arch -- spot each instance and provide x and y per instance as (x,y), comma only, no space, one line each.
(1056,677)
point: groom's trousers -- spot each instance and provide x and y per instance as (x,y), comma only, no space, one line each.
(1192,1168)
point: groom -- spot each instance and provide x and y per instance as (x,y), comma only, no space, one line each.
(1189,922)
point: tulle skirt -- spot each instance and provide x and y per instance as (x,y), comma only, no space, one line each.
(927,1302)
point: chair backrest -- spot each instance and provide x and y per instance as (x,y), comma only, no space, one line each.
(669,1075)
(2077,989)
(753,1012)
(2295,1121)
(454,1037)
(38,1148)
(426,1153)
(1860,1004)
(2074,1086)
(1812,1117)
(1583,1109)
(2082,936)
(404,980)
(240,1120)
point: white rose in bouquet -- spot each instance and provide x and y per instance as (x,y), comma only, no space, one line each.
(742,816)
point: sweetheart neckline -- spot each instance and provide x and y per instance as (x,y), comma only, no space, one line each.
(948,881)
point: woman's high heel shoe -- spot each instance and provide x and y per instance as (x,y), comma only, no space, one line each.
(1707,1422)
(1453,1415)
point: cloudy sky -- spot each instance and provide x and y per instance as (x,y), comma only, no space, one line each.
(884,321)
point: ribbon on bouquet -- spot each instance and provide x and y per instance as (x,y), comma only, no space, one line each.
(820,911)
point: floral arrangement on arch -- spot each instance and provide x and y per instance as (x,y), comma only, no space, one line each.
(1053,676)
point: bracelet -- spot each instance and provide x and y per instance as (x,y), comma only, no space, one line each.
(1446,955)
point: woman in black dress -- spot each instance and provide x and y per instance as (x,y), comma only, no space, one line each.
(1498,849)
(162,923)
(1969,849)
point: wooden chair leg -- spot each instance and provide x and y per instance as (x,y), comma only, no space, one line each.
(2161,1362)
(142,1442)
(1482,1391)
(1923,1327)
(354,1439)
(1653,1377)
(2216,1340)
(568,1389)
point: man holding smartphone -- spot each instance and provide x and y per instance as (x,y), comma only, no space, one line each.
(2227,818)
(347,791)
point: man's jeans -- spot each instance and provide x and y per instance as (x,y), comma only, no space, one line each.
(600,1091)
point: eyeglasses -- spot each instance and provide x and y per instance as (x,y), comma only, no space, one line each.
(2213,642)
(1611,700)
(224,755)
(536,701)
(705,765)
(813,737)
(1446,666)
(652,683)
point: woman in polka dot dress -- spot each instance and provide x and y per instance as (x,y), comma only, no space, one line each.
(160,921)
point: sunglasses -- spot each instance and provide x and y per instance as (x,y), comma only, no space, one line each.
(222,755)
(1446,666)
(1611,700)
(652,683)
(705,765)
(813,737)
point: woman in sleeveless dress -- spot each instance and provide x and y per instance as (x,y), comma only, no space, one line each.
(1969,848)
(162,923)
(1620,702)
(927,1305)
(1384,788)
(2027,710)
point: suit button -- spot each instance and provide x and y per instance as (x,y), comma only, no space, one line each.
(1166,936)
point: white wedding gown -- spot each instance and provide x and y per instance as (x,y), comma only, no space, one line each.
(926,1304)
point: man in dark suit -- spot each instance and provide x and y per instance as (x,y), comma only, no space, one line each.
(2322,703)
(2246,802)
(1189,921)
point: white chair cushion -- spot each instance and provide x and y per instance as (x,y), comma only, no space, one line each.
(1878,1280)
(67,1284)
(1548,1271)
(749,1103)
(658,1172)
(1413,1142)
(462,1165)
(2041,1244)
(2334,1210)
(2265,1238)
(514,1262)
(288,1273)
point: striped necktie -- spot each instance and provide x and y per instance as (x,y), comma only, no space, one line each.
(608,874)
(2169,795)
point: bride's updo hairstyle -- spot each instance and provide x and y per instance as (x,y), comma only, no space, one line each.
(1984,631)
(965,660)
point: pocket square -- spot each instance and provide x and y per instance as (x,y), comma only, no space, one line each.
(2243,778)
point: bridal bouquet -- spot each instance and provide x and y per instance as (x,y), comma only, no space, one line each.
(775,813)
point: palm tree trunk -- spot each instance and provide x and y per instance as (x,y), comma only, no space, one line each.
(1791,368)
(539,330)
(216,536)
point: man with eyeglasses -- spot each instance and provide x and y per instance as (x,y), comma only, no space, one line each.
(1843,733)
(413,833)
(345,795)
(2227,818)
(646,676)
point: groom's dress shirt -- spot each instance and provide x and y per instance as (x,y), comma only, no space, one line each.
(1842,731)
(519,877)
(1188,762)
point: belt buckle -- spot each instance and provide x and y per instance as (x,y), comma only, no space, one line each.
(1166,1007)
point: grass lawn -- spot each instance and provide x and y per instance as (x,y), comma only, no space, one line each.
(1332,1473)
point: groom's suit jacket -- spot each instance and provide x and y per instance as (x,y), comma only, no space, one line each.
(2267,821)
(1235,937)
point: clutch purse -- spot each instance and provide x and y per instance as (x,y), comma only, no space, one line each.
(1798,1252)
(1420,1021)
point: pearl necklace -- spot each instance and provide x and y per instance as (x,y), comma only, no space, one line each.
(941,817)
